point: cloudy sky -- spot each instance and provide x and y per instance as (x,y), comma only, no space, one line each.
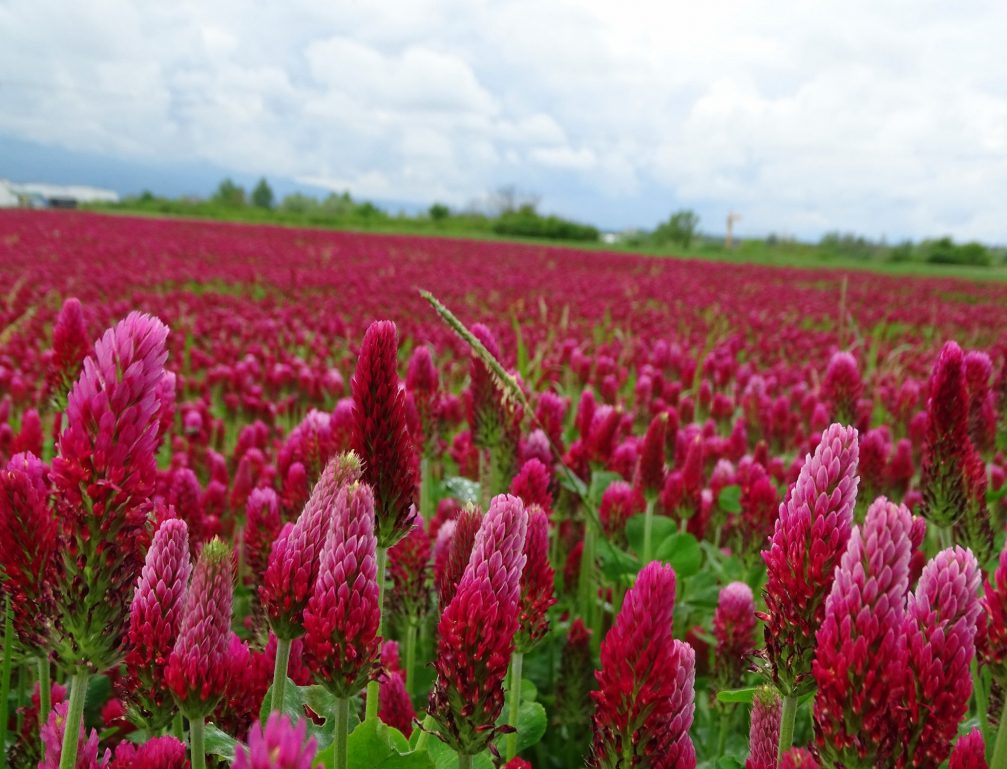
(885,118)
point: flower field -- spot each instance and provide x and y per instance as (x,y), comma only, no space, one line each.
(289,498)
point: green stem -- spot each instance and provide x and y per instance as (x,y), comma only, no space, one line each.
(587,592)
(197,744)
(982,701)
(280,673)
(648,531)
(74,715)
(787,720)
(426,489)
(342,731)
(464,761)
(410,655)
(516,663)
(8,652)
(44,692)
(374,688)
(725,722)
(178,727)
(999,758)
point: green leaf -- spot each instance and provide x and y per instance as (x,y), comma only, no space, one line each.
(293,703)
(729,499)
(464,490)
(615,562)
(373,745)
(661,528)
(531,723)
(219,743)
(682,552)
(737,695)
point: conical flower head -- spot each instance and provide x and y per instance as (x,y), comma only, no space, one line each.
(947,452)
(342,616)
(197,668)
(798,758)
(422,382)
(764,731)
(646,685)
(982,403)
(810,536)
(88,756)
(650,469)
(537,583)
(293,562)
(992,640)
(409,570)
(842,386)
(734,628)
(458,553)
(70,345)
(969,752)
(104,474)
(860,660)
(155,753)
(262,526)
(28,541)
(395,707)
(532,485)
(476,631)
(940,627)
(281,745)
(155,617)
(381,434)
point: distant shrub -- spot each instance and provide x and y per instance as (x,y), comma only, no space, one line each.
(439,212)
(526,222)
(680,229)
(946,251)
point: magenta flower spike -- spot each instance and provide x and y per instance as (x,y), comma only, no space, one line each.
(843,387)
(476,631)
(537,583)
(458,552)
(381,435)
(764,731)
(281,745)
(650,470)
(798,758)
(860,661)
(646,685)
(810,536)
(409,572)
(940,627)
(28,542)
(293,563)
(341,642)
(88,754)
(104,475)
(396,706)
(197,668)
(734,626)
(155,617)
(155,753)
(969,752)
(70,345)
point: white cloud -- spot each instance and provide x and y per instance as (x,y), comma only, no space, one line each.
(886,118)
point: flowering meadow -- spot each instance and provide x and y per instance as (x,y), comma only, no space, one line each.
(281,498)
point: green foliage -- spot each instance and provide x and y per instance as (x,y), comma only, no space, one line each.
(528,223)
(439,212)
(262,195)
(229,195)
(680,229)
(373,745)
(946,251)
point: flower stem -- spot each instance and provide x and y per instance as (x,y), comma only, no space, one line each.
(280,673)
(44,692)
(426,489)
(428,724)
(787,719)
(516,663)
(410,654)
(197,746)
(342,731)
(648,531)
(374,688)
(999,758)
(8,652)
(464,761)
(177,727)
(74,715)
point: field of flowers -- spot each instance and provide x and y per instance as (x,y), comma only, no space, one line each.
(289,498)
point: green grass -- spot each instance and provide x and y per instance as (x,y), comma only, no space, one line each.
(476,227)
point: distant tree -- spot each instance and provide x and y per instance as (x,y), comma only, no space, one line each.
(298,203)
(146,196)
(229,194)
(439,212)
(338,204)
(262,195)
(509,199)
(680,228)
